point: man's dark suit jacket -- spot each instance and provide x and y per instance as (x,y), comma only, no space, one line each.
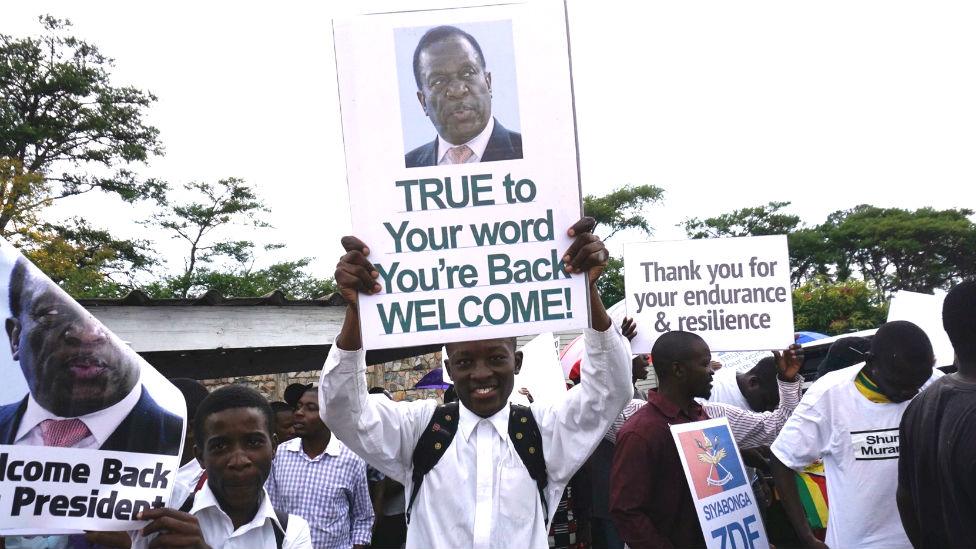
(502,145)
(148,429)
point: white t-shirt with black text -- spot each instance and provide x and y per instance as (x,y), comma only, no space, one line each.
(858,441)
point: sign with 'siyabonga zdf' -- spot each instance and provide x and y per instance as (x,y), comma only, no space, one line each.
(720,490)
(733,292)
(463,178)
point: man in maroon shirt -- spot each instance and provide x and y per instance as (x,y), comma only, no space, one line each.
(650,501)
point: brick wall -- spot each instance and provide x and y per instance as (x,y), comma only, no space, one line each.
(398,377)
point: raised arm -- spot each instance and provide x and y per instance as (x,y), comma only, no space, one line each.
(572,428)
(377,429)
(753,429)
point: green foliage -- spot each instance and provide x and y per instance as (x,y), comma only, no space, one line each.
(837,307)
(893,248)
(88,262)
(228,202)
(756,221)
(289,277)
(222,205)
(621,209)
(611,282)
(897,249)
(61,119)
(617,211)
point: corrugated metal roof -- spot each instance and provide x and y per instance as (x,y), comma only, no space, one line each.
(138,298)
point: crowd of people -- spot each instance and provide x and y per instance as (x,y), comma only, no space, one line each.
(343,465)
(888,429)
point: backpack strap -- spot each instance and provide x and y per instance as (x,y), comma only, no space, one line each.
(433,443)
(279,531)
(525,436)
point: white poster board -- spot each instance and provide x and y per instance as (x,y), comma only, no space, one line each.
(720,490)
(541,373)
(926,311)
(733,292)
(90,433)
(462,248)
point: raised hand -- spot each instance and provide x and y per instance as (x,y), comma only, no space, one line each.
(587,253)
(789,362)
(354,273)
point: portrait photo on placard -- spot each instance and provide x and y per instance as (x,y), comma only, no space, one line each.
(59,362)
(458,93)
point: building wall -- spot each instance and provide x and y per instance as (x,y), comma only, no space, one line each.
(398,377)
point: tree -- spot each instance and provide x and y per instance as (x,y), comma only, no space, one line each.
(224,264)
(617,211)
(65,129)
(88,262)
(621,209)
(755,221)
(807,250)
(898,249)
(837,307)
(214,206)
(289,277)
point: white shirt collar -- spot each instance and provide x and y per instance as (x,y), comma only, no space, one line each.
(101,423)
(205,498)
(478,144)
(468,420)
(333,448)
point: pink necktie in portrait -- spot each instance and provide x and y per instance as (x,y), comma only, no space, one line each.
(63,433)
(459,155)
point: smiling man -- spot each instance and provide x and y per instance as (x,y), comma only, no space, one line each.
(454,90)
(85,389)
(478,493)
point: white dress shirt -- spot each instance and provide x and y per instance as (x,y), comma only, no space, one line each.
(479,494)
(101,423)
(477,144)
(219,533)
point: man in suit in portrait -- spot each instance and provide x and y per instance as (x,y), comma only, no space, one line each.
(85,387)
(454,89)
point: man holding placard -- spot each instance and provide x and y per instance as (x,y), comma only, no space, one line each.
(650,500)
(479,492)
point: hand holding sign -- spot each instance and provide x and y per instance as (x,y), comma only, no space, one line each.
(354,273)
(587,253)
(629,328)
(789,362)
(175,528)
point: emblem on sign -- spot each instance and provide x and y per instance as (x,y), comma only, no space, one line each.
(713,454)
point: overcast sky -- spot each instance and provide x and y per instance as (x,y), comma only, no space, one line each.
(722,104)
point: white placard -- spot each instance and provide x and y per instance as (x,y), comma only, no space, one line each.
(541,373)
(740,361)
(733,292)
(473,250)
(720,490)
(49,491)
(926,311)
